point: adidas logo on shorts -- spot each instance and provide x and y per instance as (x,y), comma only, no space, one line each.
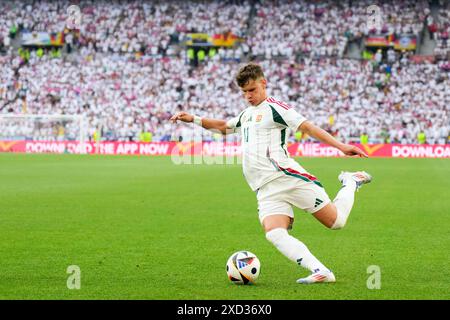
(318,202)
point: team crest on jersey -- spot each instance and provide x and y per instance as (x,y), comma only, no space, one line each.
(258,117)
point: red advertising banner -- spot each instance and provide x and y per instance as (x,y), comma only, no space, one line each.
(373,150)
(113,148)
(217,149)
(377,41)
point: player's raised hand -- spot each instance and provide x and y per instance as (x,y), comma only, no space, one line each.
(353,151)
(182,116)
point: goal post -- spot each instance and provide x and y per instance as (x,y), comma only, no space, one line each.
(43,127)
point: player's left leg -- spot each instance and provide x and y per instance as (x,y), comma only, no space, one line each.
(335,214)
(309,195)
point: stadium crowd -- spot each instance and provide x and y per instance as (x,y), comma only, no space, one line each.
(122,94)
(128,26)
(325,27)
(441,32)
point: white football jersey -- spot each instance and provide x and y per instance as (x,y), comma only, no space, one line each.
(264,131)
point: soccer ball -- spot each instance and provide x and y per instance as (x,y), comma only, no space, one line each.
(243,267)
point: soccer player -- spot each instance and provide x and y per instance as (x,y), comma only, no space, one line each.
(278,180)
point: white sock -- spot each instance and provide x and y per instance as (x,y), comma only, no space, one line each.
(344,202)
(294,249)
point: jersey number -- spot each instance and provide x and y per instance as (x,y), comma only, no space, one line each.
(246,134)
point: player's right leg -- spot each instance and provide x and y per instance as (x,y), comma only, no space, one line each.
(276,226)
(276,216)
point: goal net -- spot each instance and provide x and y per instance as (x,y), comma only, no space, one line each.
(41,127)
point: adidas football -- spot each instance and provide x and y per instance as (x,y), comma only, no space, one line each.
(243,267)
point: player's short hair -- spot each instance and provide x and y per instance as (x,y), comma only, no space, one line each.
(251,71)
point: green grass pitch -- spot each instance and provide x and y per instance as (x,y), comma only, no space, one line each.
(144,228)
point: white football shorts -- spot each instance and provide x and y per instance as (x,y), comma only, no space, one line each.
(279,195)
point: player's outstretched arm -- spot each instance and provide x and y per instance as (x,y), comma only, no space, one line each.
(209,124)
(323,136)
